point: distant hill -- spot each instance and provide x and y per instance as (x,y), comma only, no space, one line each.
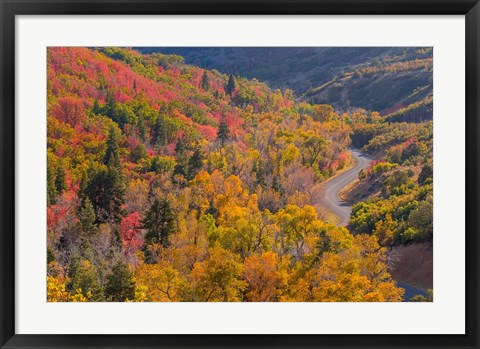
(415,112)
(374,78)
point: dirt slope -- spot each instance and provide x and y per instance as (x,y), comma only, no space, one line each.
(413,264)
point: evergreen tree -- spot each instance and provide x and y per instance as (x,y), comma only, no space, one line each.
(113,151)
(159,131)
(138,153)
(259,170)
(84,180)
(51,184)
(50,255)
(195,163)
(60,179)
(116,191)
(160,222)
(106,192)
(84,277)
(87,218)
(276,185)
(230,85)
(223,133)
(181,149)
(205,81)
(123,115)
(120,285)
(96,108)
(110,104)
(142,130)
(427,172)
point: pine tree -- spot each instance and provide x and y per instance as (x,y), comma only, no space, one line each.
(159,131)
(120,285)
(142,130)
(60,179)
(110,104)
(205,81)
(138,153)
(96,108)
(84,277)
(106,192)
(427,172)
(87,218)
(50,255)
(82,190)
(223,133)
(276,185)
(230,85)
(259,170)
(160,222)
(195,163)
(113,151)
(51,187)
(116,194)
(181,148)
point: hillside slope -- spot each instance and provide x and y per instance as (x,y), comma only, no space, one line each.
(378,78)
(169,182)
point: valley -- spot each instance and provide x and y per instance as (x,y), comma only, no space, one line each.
(171,181)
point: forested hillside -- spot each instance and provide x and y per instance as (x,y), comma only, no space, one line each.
(399,184)
(170,182)
(383,79)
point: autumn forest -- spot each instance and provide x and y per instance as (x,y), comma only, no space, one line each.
(201,174)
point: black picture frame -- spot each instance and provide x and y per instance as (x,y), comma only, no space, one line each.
(10,8)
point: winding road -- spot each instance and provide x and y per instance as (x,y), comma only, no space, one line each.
(332,188)
(342,210)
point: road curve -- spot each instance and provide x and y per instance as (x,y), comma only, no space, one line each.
(332,202)
(411,291)
(332,188)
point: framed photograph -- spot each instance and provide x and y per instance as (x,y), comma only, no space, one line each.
(239,174)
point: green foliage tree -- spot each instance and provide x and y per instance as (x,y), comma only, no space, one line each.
(205,81)
(421,219)
(313,147)
(120,285)
(181,153)
(87,218)
(195,163)
(142,129)
(138,153)
(422,298)
(51,185)
(426,173)
(50,255)
(60,179)
(230,87)
(110,104)
(260,175)
(112,154)
(96,108)
(106,192)
(84,278)
(160,222)
(159,131)
(223,133)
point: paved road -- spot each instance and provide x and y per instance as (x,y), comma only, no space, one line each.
(410,291)
(330,200)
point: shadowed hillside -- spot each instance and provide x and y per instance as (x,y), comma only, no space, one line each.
(378,78)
